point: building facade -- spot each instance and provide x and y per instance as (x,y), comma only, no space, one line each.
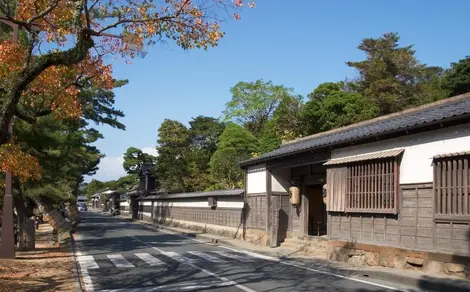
(397,186)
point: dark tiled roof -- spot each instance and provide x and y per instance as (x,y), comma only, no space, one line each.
(220,193)
(414,118)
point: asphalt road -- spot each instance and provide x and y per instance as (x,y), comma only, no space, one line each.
(114,254)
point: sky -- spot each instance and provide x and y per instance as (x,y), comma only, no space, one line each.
(296,43)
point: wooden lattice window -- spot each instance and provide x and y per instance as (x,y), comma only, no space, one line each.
(372,186)
(452,187)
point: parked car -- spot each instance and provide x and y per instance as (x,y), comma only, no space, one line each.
(82,207)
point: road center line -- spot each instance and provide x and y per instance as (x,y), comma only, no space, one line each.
(253,254)
(223,279)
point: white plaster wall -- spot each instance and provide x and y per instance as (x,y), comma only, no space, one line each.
(198,204)
(416,164)
(256,179)
(125,204)
(145,203)
(203,203)
(236,203)
(280,179)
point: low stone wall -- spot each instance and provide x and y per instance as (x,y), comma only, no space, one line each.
(254,236)
(359,254)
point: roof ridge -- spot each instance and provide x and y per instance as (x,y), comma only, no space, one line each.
(448,100)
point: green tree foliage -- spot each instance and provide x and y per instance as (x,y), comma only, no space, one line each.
(204,133)
(253,103)
(64,150)
(457,78)
(330,107)
(172,168)
(134,158)
(270,138)
(65,154)
(122,185)
(235,144)
(94,186)
(285,119)
(98,106)
(390,76)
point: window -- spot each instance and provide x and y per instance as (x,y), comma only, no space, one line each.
(372,186)
(452,187)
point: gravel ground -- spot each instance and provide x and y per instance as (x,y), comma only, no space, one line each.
(44,269)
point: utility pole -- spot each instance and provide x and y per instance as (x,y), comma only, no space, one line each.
(7,243)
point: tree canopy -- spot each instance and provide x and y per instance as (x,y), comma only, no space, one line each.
(332,107)
(457,78)
(253,103)
(390,76)
(235,144)
(64,44)
(172,166)
(134,158)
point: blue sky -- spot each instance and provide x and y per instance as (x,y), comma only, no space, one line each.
(296,43)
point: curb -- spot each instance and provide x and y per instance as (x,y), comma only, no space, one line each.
(76,269)
(425,283)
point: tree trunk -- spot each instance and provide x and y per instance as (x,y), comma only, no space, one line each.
(26,234)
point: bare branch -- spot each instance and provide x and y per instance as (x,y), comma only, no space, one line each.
(142,20)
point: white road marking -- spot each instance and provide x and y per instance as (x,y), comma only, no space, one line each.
(206,256)
(178,257)
(235,256)
(88,285)
(175,287)
(87,262)
(253,254)
(223,279)
(290,263)
(119,261)
(149,259)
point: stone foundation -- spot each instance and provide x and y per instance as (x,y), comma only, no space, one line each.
(372,255)
(254,236)
(311,245)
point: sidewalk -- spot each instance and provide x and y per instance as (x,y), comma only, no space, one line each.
(412,278)
(47,268)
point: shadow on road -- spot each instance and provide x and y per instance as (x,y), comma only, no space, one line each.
(260,275)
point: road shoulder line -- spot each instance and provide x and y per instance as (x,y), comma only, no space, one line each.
(83,272)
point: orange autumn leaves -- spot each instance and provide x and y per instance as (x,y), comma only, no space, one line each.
(60,24)
(21,164)
(56,89)
(55,23)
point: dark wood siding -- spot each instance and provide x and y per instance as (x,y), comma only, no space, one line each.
(256,208)
(219,216)
(413,228)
